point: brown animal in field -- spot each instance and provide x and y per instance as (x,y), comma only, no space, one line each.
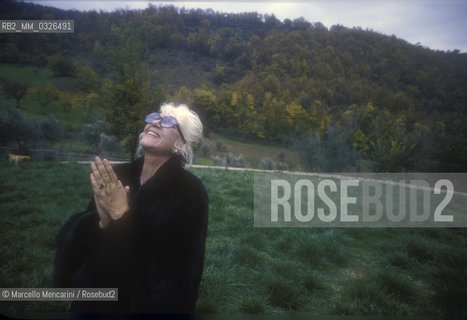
(18,158)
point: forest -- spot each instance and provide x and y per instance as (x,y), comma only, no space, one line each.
(338,95)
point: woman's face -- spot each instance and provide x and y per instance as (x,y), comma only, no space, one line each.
(158,139)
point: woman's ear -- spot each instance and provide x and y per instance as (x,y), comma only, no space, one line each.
(175,150)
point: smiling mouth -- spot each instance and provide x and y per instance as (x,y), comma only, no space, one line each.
(153,133)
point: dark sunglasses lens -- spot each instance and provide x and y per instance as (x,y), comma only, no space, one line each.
(150,118)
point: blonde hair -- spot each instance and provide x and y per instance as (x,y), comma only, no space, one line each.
(189,124)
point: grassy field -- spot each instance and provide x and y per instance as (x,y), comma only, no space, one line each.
(247,270)
(34,76)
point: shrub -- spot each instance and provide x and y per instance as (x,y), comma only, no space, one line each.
(16,90)
(61,66)
(282,165)
(266,164)
(269,164)
(44,94)
(281,156)
(231,160)
(50,128)
(218,161)
(109,144)
(205,149)
(91,135)
(16,128)
(330,153)
(221,146)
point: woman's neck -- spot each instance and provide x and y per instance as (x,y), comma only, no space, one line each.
(151,164)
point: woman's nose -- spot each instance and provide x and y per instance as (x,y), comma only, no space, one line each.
(156,123)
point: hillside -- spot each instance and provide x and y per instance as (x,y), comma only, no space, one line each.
(370,96)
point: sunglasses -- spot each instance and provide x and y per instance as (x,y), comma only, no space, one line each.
(165,122)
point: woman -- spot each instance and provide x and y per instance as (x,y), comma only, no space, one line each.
(144,231)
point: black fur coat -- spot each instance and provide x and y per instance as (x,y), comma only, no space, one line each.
(154,254)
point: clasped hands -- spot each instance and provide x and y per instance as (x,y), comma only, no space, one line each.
(110,196)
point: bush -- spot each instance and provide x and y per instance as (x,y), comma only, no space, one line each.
(205,149)
(269,164)
(282,166)
(50,128)
(9,53)
(110,144)
(231,160)
(331,153)
(221,146)
(44,94)
(217,161)
(16,128)
(61,66)
(15,90)
(281,156)
(91,135)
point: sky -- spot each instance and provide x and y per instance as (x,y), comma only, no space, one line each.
(437,24)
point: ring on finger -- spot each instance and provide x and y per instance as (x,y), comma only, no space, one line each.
(101,185)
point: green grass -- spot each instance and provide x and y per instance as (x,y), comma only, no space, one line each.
(33,76)
(247,270)
(30,220)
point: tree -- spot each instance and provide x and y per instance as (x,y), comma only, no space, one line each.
(219,77)
(252,122)
(9,53)
(393,145)
(16,90)
(16,128)
(89,101)
(86,79)
(275,126)
(183,95)
(331,153)
(297,118)
(205,104)
(109,144)
(44,94)
(61,66)
(91,135)
(129,96)
(50,128)
(66,101)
